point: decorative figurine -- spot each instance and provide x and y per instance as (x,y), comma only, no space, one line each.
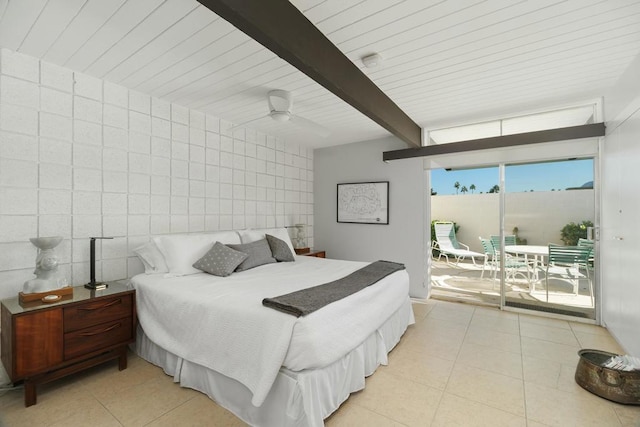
(48,277)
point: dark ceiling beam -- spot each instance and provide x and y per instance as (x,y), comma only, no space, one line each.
(282,28)
(558,134)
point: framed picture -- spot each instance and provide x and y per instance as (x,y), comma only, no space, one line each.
(364,202)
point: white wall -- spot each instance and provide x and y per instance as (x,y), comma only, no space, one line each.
(402,239)
(82,157)
(539,215)
(620,232)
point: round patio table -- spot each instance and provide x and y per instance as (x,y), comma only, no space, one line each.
(538,253)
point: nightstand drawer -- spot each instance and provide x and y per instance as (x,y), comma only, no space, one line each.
(96,312)
(94,338)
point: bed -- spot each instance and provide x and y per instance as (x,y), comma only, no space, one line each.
(269,368)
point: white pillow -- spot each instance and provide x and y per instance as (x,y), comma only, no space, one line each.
(181,251)
(151,258)
(249,236)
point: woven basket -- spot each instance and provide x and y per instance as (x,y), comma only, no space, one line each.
(612,384)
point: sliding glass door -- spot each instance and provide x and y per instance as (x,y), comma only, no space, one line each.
(492,229)
(467,201)
(549,217)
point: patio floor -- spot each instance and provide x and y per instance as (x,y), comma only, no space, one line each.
(463,281)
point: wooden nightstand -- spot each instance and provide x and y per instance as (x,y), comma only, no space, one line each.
(44,342)
(314,253)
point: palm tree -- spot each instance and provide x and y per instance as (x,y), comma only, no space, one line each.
(472,187)
(495,189)
(463,190)
(457,186)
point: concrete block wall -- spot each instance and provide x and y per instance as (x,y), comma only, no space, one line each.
(82,157)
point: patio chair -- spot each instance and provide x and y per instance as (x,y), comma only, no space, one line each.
(447,244)
(570,259)
(509,240)
(512,265)
(490,258)
(587,244)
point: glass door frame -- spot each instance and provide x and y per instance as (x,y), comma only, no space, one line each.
(502,214)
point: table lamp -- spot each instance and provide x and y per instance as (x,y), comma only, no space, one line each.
(92,250)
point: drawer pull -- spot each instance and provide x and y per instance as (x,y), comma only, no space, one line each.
(114,302)
(90,334)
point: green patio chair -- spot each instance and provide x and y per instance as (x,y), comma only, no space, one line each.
(490,258)
(570,259)
(509,240)
(447,244)
(512,265)
(587,243)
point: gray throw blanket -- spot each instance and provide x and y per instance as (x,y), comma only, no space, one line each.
(305,301)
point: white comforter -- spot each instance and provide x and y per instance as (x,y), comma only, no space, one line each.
(220,323)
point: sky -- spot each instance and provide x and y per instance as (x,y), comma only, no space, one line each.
(518,178)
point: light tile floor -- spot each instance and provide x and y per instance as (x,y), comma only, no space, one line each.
(459,365)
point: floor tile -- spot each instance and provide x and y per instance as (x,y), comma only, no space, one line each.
(141,404)
(65,408)
(499,340)
(106,380)
(536,424)
(494,312)
(491,359)
(453,313)
(551,373)
(509,324)
(558,408)
(589,329)
(486,387)
(628,415)
(350,415)
(9,397)
(458,411)
(406,402)
(421,310)
(548,333)
(198,411)
(599,342)
(442,327)
(434,344)
(419,367)
(546,321)
(542,349)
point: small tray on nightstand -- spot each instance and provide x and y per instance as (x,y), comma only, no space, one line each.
(29,299)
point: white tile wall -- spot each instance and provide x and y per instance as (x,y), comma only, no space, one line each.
(82,157)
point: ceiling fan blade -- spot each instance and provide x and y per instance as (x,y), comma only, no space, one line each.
(310,125)
(242,125)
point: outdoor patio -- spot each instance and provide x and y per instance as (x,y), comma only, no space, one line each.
(463,281)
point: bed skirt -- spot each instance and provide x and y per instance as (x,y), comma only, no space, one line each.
(303,398)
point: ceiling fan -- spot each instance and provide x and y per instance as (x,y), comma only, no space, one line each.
(280,109)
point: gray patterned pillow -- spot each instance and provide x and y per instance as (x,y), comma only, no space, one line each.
(279,249)
(220,260)
(258,253)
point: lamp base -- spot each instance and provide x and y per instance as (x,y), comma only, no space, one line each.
(300,251)
(96,286)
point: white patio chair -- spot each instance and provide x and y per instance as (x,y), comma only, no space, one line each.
(447,244)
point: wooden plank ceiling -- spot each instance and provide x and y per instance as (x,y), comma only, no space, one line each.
(444,61)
